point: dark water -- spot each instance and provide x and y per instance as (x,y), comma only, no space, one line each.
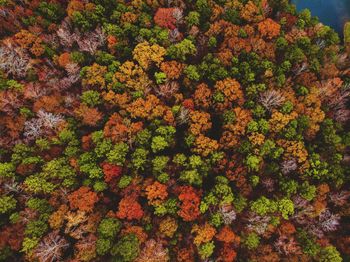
(333,13)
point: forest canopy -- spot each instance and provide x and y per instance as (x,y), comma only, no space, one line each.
(172,130)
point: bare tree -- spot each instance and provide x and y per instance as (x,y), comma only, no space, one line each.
(14,60)
(51,248)
(271,99)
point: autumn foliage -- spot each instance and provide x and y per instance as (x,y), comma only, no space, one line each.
(172,130)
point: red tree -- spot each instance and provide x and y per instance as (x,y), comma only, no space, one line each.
(164,18)
(83,199)
(129,209)
(190,203)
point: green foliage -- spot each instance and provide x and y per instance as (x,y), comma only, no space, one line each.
(118,154)
(159,163)
(124,181)
(347,32)
(36,229)
(7,204)
(192,18)
(330,254)
(308,191)
(139,158)
(182,50)
(7,169)
(206,250)
(286,207)
(41,205)
(91,98)
(251,241)
(29,244)
(109,227)
(51,11)
(126,249)
(262,206)
(168,207)
(308,243)
(191,177)
(192,72)
(253,162)
(159,143)
(38,184)
(160,77)
(103,246)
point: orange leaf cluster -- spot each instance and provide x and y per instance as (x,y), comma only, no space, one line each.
(137,230)
(231,89)
(64,59)
(146,54)
(27,40)
(128,17)
(227,253)
(89,116)
(56,219)
(172,69)
(189,208)
(202,96)
(205,145)
(129,209)
(121,130)
(203,233)
(83,199)
(111,171)
(294,149)
(226,235)
(73,6)
(234,130)
(279,120)
(148,108)
(251,13)
(156,193)
(269,28)
(200,122)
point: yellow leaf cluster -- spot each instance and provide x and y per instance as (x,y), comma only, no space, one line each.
(294,149)
(94,76)
(204,145)
(256,139)
(168,226)
(132,76)
(203,233)
(56,219)
(146,54)
(279,120)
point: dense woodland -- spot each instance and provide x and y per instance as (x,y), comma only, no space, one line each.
(172,130)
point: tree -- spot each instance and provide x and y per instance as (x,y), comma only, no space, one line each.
(153,251)
(51,248)
(127,248)
(109,227)
(156,193)
(83,199)
(146,54)
(164,17)
(269,28)
(111,171)
(129,209)
(182,50)
(189,208)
